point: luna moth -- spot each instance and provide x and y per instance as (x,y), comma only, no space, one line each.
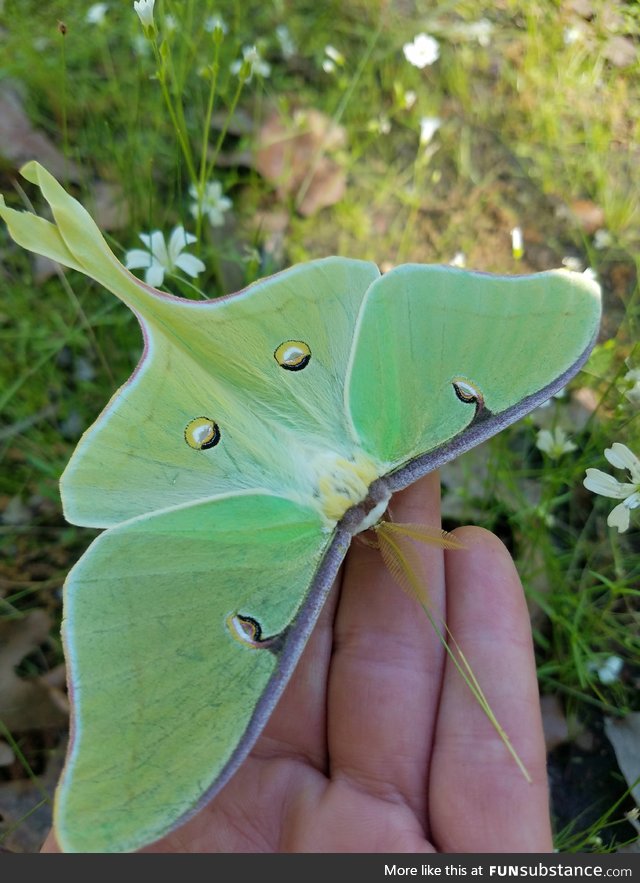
(267,426)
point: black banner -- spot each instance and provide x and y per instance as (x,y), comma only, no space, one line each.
(328,868)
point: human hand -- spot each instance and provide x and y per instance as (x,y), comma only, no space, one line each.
(377,744)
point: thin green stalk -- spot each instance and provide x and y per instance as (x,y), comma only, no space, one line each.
(7,831)
(180,132)
(62,29)
(225,126)
(215,70)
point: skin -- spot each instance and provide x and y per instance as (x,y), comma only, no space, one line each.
(377,744)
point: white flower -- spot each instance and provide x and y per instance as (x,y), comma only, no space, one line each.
(287,46)
(607,486)
(517,245)
(334,54)
(381,125)
(409,99)
(423,51)
(215,23)
(602,238)
(333,60)
(144,8)
(458,260)
(428,128)
(555,443)
(212,203)
(160,259)
(573,263)
(481,30)
(572,35)
(609,670)
(170,23)
(96,13)
(252,63)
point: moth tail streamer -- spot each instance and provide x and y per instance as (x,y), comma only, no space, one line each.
(74,240)
(403,563)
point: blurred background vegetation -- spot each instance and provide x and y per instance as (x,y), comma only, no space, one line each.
(332,140)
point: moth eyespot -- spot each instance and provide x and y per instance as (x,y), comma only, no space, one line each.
(293,355)
(245,629)
(202,434)
(467,392)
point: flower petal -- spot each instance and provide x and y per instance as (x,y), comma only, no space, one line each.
(213,191)
(137,258)
(622,458)
(178,242)
(146,238)
(545,440)
(216,218)
(610,669)
(159,249)
(606,485)
(190,264)
(619,517)
(154,275)
(633,502)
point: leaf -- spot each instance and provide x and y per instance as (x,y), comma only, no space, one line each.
(292,155)
(624,735)
(620,51)
(588,214)
(554,722)
(25,703)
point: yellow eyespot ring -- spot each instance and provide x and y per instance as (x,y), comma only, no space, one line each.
(245,629)
(293,355)
(202,433)
(467,392)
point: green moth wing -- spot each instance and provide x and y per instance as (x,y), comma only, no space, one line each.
(449,357)
(169,628)
(223,370)
(220,356)
(282,417)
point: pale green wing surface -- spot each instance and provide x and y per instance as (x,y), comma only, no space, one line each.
(164,686)
(216,360)
(437,349)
